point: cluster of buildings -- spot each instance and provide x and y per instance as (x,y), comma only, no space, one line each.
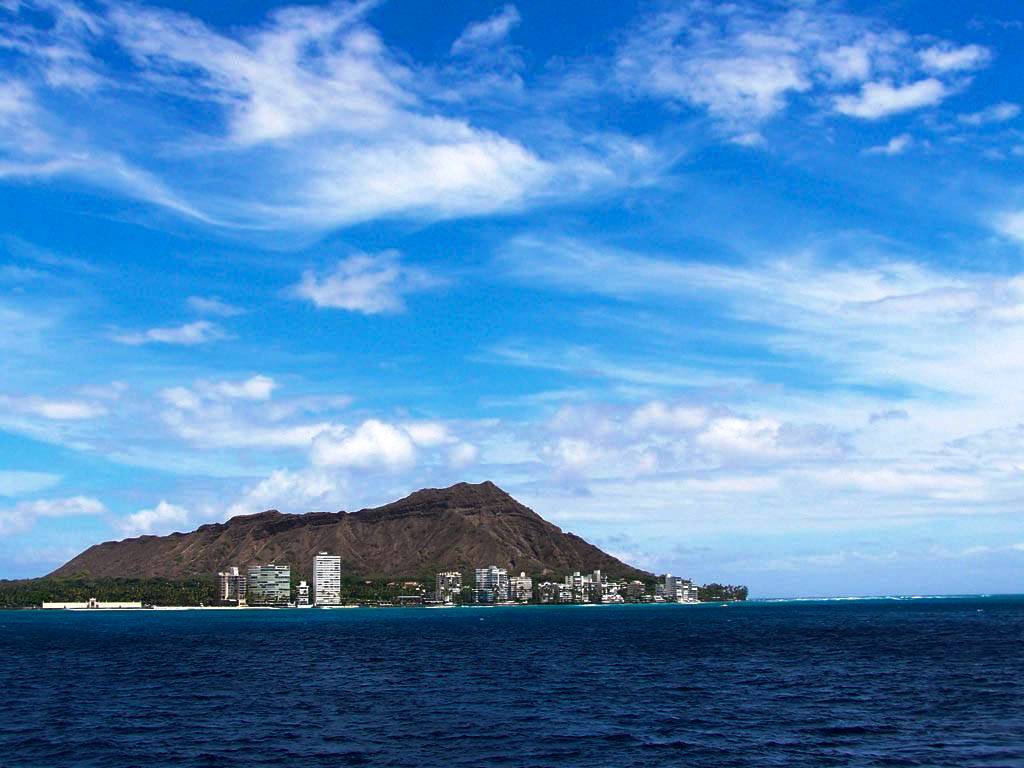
(493,585)
(271,585)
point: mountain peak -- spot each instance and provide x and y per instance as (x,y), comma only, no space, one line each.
(463,526)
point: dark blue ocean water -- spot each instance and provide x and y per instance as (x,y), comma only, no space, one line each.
(933,682)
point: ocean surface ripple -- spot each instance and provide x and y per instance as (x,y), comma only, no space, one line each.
(868,683)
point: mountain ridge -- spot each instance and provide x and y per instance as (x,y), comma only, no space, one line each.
(456,528)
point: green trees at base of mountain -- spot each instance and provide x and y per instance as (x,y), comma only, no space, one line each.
(26,593)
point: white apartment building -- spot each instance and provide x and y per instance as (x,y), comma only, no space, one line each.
(326,579)
(520,588)
(491,585)
(676,589)
(231,587)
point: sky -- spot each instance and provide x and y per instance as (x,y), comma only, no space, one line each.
(734,291)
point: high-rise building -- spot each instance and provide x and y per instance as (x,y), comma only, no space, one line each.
(231,587)
(270,584)
(326,579)
(520,588)
(449,587)
(491,585)
(676,589)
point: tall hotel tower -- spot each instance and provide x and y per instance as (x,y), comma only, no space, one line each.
(326,579)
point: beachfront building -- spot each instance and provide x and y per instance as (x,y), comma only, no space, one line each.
(491,585)
(675,589)
(327,579)
(584,588)
(302,594)
(231,587)
(520,588)
(269,584)
(93,604)
(449,587)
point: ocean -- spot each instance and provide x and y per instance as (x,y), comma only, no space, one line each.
(880,682)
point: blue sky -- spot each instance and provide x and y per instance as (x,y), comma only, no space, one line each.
(733,291)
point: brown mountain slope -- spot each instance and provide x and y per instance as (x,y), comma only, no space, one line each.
(460,527)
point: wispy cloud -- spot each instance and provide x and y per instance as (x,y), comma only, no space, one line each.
(340,128)
(370,284)
(897,145)
(947,57)
(212,305)
(487,33)
(23,516)
(882,99)
(56,410)
(745,63)
(1002,112)
(19,482)
(189,334)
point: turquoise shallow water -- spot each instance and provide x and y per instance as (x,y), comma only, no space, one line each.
(925,682)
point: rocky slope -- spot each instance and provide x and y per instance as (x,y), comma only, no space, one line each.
(434,529)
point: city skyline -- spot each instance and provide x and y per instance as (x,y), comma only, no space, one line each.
(731,291)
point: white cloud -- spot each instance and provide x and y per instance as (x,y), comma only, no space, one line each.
(950,58)
(56,410)
(189,334)
(372,444)
(22,516)
(18,482)
(291,491)
(161,519)
(723,64)
(659,417)
(882,99)
(16,102)
(371,284)
(254,388)
(335,118)
(897,145)
(220,428)
(239,414)
(487,33)
(311,122)
(1002,112)
(745,63)
(462,455)
(211,305)
(767,438)
(428,433)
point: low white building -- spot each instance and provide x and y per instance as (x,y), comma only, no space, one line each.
(93,604)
